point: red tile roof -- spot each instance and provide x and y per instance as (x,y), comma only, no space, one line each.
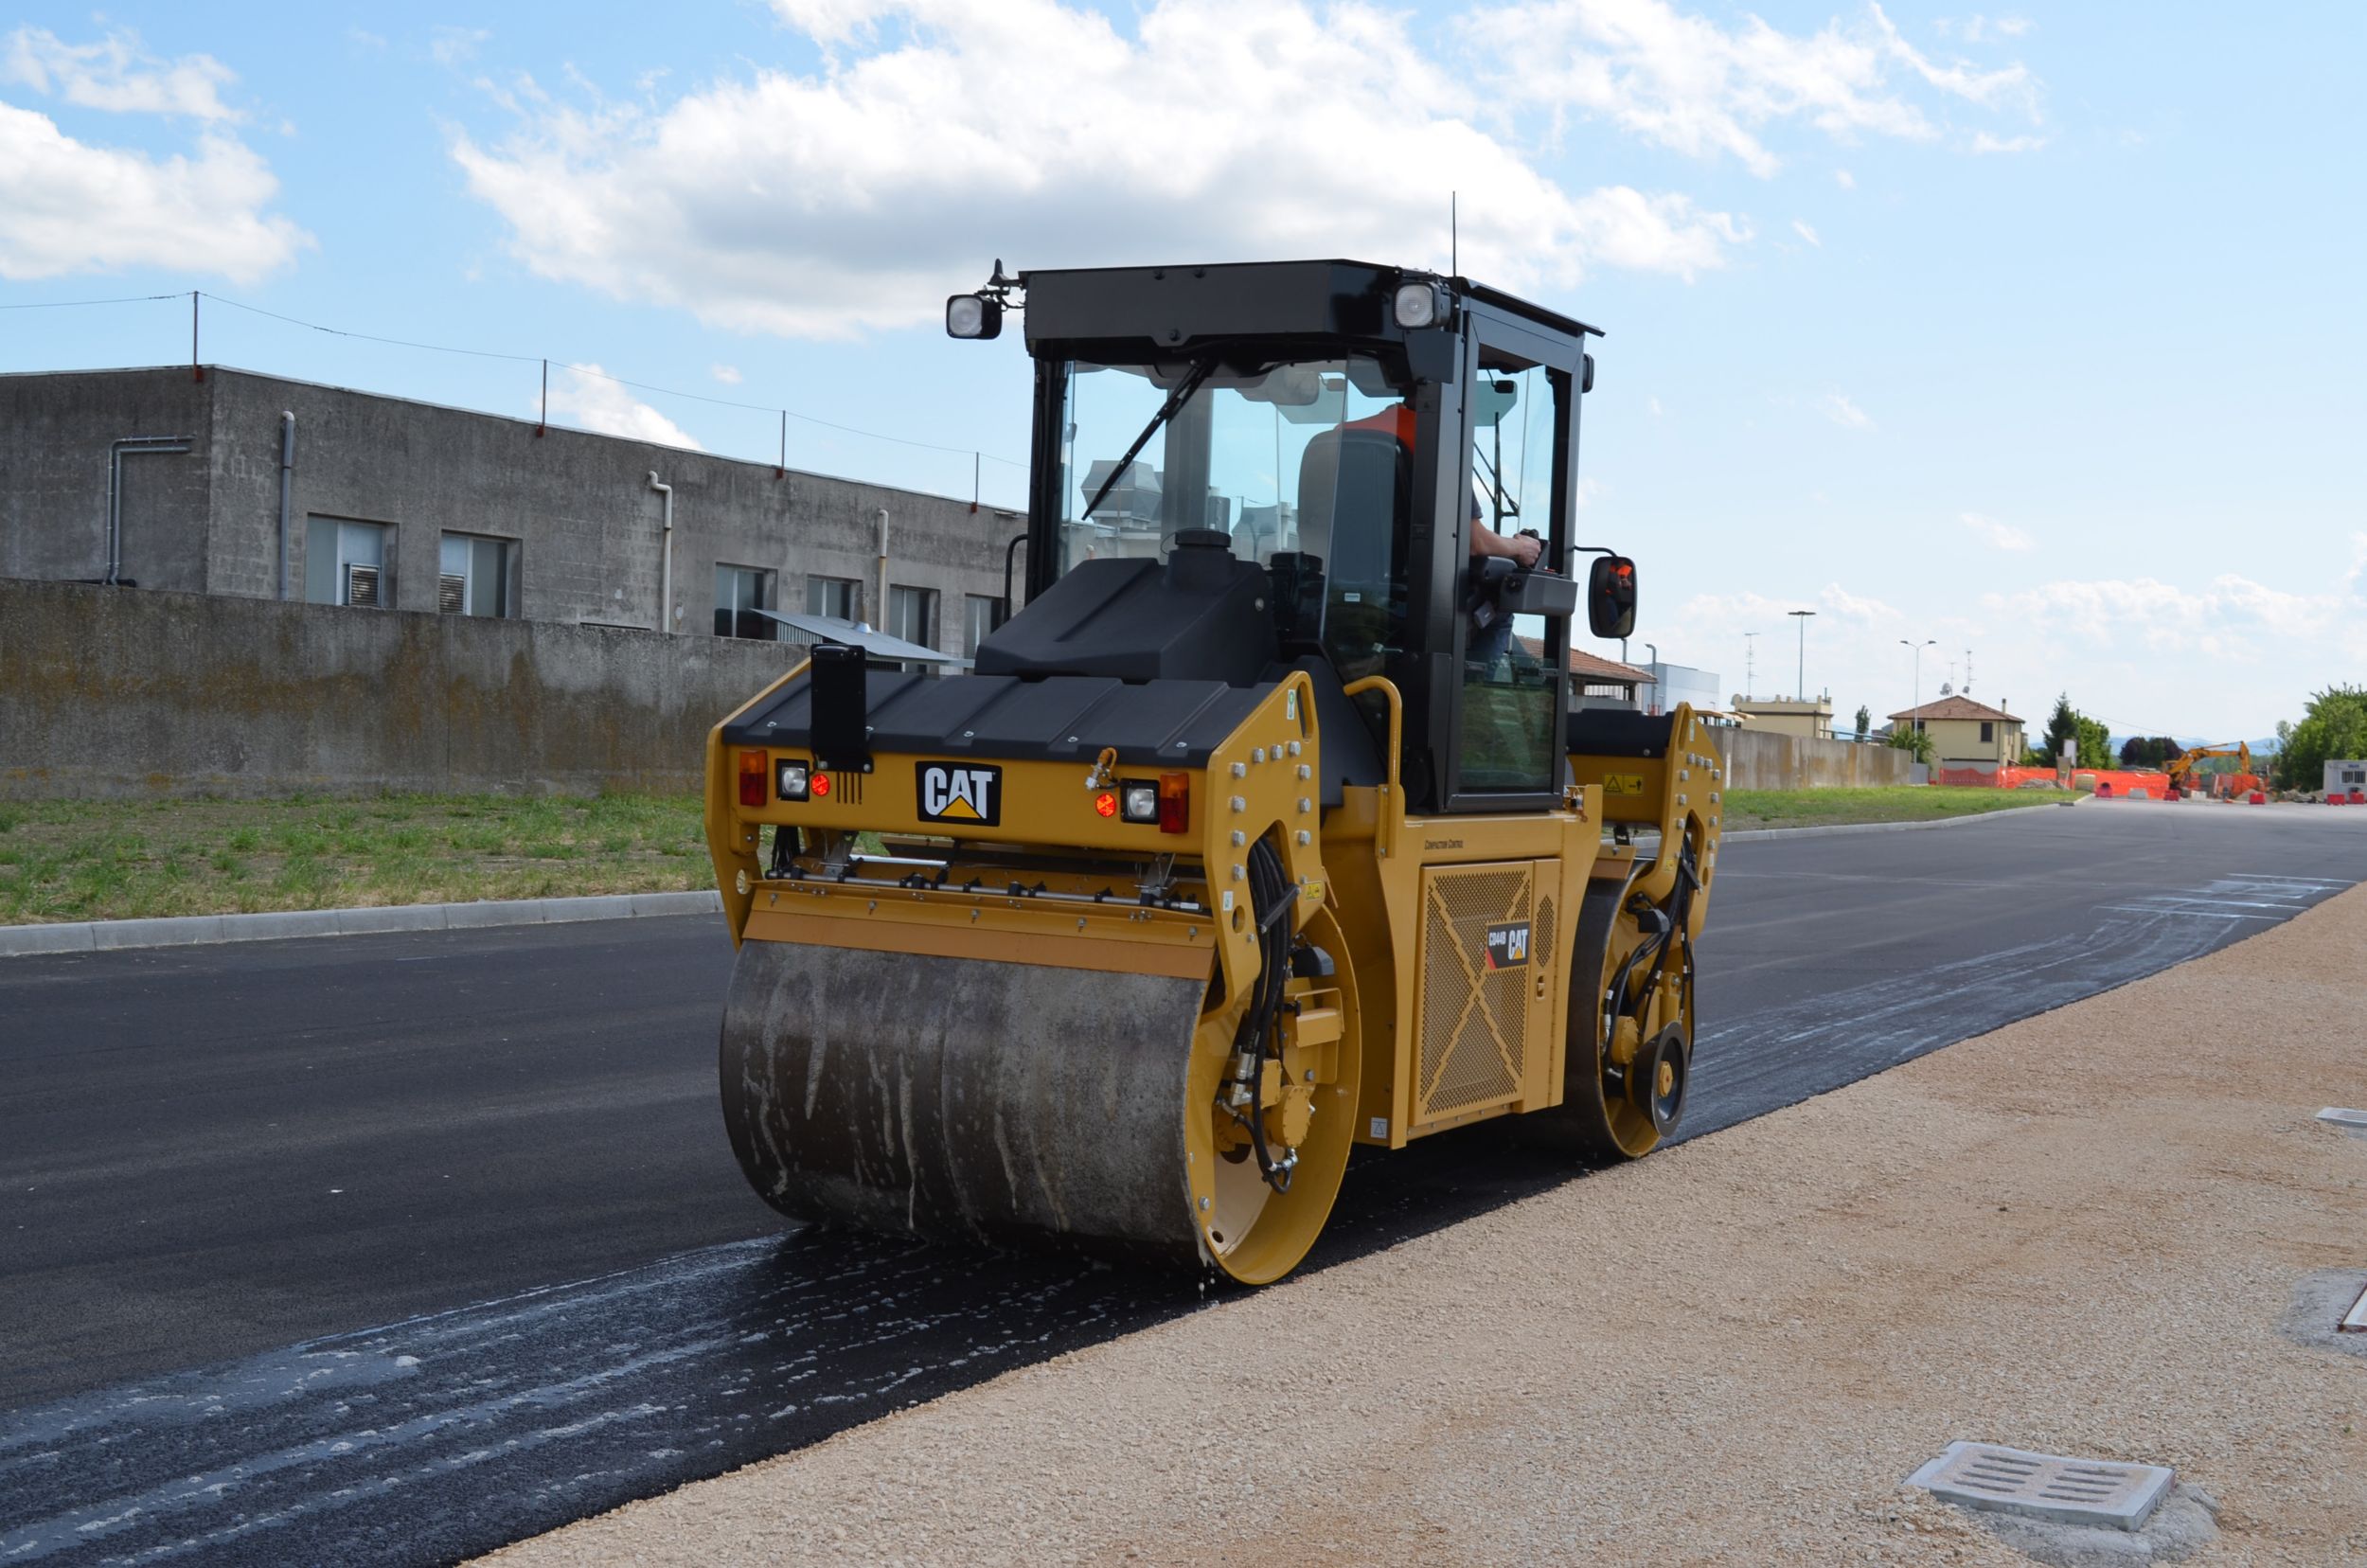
(1956,708)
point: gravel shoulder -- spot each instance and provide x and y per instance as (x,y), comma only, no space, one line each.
(2089,1233)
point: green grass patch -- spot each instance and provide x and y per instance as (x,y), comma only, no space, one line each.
(115,859)
(1880,803)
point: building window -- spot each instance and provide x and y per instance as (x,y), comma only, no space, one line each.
(980,613)
(477,575)
(913,615)
(739,592)
(841,598)
(1988,730)
(347,563)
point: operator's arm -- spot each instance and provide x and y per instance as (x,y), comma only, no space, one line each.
(1485,541)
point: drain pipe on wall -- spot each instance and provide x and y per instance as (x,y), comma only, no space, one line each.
(666,567)
(287,478)
(881,609)
(128,446)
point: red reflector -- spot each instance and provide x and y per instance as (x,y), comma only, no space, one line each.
(821,784)
(752,778)
(1175,802)
(1106,803)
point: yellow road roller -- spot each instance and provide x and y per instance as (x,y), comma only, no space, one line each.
(1276,822)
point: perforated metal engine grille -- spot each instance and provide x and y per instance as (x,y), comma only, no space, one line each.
(1475,1042)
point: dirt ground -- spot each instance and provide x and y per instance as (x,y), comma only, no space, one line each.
(2084,1234)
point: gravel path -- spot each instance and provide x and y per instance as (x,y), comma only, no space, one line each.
(2080,1233)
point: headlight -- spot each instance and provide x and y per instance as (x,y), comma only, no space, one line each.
(971,315)
(1421,305)
(1139,800)
(796,779)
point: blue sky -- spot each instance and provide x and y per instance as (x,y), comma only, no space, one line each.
(2034,331)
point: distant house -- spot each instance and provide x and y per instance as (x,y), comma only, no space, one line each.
(1810,719)
(1594,681)
(1965,733)
(1599,683)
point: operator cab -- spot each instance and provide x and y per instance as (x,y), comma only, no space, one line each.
(1350,442)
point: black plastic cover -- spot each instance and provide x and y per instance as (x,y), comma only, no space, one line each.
(1618,732)
(1200,616)
(1167,723)
(1175,723)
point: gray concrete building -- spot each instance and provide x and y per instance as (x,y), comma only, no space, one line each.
(253,486)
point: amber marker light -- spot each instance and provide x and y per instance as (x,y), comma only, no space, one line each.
(752,782)
(1175,802)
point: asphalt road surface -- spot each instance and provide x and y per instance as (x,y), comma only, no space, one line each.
(391,1249)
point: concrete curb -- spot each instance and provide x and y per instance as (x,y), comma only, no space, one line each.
(1887,827)
(183,930)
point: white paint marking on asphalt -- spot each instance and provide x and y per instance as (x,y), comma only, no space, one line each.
(2354,1321)
(2183,914)
(2045,1486)
(2346,1118)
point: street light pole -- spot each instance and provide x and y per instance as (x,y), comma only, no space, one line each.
(1653,649)
(1918,647)
(1800,687)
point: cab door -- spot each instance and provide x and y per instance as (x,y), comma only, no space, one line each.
(1509,690)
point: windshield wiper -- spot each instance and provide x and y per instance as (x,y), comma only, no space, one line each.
(1200,371)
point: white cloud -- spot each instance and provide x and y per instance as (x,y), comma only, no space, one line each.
(727,374)
(1843,178)
(2003,536)
(1980,29)
(1800,227)
(2232,618)
(117,76)
(1837,407)
(588,397)
(67,208)
(1690,85)
(1653,407)
(1984,142)
(940,134)
(451,45)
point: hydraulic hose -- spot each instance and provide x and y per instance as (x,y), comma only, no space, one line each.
(1271,896)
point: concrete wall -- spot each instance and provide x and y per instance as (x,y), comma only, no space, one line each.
(1763,759)
(111,693)
(579,505)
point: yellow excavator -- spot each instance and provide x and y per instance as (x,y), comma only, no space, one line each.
(2182,768)
(1267,828)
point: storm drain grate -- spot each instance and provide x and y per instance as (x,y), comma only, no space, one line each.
(2348,1120)
(2045,1486)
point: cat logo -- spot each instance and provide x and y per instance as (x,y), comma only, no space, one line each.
(1508,946)
(960,793)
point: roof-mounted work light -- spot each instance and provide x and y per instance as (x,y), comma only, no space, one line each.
(1422,304)
(980,314)
(969,315)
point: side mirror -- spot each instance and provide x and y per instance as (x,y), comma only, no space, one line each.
(1611,596)
(1586,374)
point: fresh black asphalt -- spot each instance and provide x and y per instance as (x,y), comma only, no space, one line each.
(391,1249)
